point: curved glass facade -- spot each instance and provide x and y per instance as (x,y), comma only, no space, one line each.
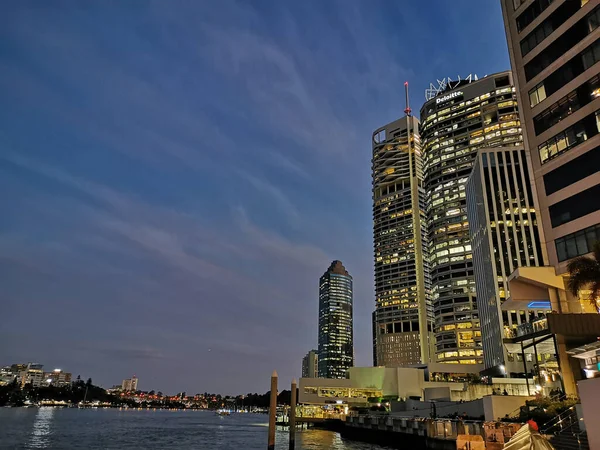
(336,351)
(455,124)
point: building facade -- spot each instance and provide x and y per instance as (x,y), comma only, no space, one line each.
(32,374)
(336,349)
(57,378)
(403,316)
(130,384)
(554,49)
(458,119)
(503,226)
(310,365)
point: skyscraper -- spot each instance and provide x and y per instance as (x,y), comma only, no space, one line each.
(310,365)
(336,351)
(554,49)
(403,318)
(503,226)
(459,118)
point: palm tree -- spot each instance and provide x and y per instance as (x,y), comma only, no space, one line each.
(584,272)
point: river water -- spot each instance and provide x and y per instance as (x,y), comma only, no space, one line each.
(71,428)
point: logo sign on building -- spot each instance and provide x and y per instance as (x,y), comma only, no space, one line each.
(448,97)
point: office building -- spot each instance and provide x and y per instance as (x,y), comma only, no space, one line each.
(503,226)
(130,384)
(310,365)
(403,316)
(336,351)
(458,119)
(554,48)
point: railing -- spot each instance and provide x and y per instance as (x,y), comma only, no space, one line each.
(565,421)
(532,327)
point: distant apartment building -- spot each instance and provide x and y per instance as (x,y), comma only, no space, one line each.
(403,316)
(130,384)
(57,378)
(336,350)
(503,226)
(459,118)
(310,365)
(32,374)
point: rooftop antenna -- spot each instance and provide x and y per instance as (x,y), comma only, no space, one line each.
(407,110)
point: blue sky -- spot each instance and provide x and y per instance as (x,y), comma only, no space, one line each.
(175,176)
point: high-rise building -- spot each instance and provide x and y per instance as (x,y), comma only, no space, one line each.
(459,118)
(403,316)
(310,365)
(130,384)
(554,47)
(503,226)
(336,351)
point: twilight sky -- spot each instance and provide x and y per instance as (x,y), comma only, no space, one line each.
(175,176)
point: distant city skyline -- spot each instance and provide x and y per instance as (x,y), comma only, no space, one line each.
(174,178)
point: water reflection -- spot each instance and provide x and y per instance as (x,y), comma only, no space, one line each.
(40,435)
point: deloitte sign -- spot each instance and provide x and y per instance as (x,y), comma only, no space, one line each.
(447,97)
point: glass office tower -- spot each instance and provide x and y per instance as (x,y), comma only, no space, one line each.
(336,351)
(403,318)
(457,120)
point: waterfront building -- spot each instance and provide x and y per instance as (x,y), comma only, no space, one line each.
(57,378)
(554,48)
(32,374)
(130,384)
(503,226)
(336,350)
(310,365)
(403,316)
(458,119)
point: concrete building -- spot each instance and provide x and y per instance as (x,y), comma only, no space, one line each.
(459,118)
(554,48)
(336,350)
(403,318)
(310,365)
(503,226)
(436,381)
(130,384)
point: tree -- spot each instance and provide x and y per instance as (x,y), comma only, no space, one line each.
(89,382)
(584,272)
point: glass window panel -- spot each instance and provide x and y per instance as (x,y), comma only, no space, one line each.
(581,243)
(571,247)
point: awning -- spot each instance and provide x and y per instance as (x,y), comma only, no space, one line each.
(529,286)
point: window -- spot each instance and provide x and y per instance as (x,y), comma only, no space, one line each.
(573,171)
(537,94)
(567,105)
(551,23)
(557,48)
(532,11)
(577,244)
(574,207)
(569,138)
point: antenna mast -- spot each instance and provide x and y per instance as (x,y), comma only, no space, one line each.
(407,110)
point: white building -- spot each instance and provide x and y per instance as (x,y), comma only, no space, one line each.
(130,384)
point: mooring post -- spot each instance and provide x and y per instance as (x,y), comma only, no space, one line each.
(272,411)
(292,423)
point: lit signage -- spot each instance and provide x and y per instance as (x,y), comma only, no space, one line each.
(539,304)
(447,97)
